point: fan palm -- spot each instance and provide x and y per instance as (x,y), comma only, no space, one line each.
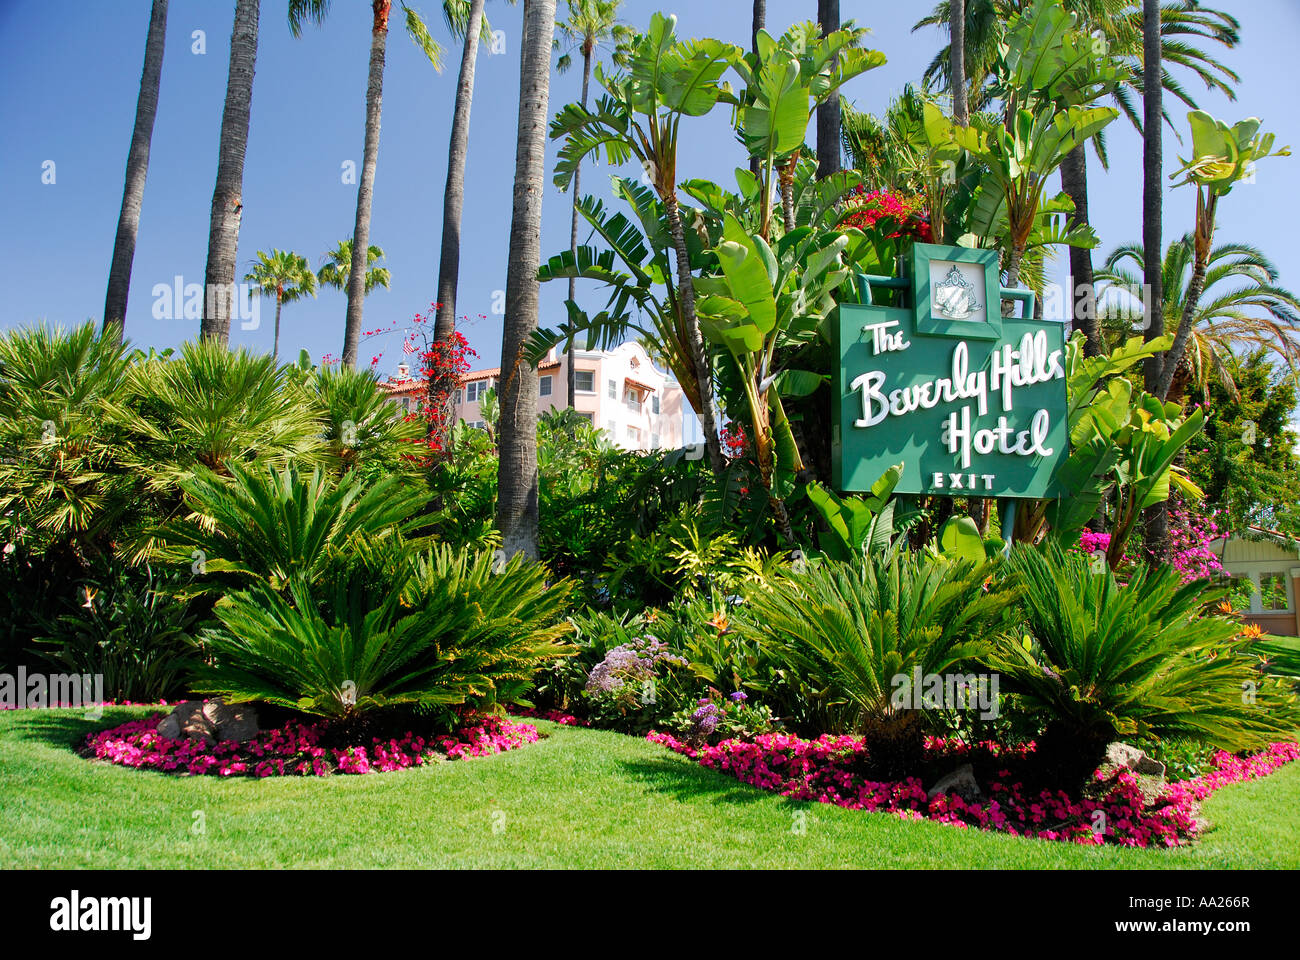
(61,481)
(337,268)
(285,276)
(1242,306)
(301,11)
(211,408)
(590,25)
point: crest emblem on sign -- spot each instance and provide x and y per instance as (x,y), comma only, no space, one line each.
(954,296)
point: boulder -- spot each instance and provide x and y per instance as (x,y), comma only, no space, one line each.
(236,722)
(209,721)
(187,722)
(961,782)
(1122,756)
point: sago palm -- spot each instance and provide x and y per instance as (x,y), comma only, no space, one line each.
(1106,661)
(1242,307)
(362,427)
(283,276)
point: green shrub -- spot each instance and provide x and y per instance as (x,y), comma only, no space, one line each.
(854,632)
(1106,661)
(439,632)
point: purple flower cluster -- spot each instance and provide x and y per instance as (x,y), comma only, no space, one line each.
(630,665)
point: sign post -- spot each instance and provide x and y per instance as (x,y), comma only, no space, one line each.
(972,403)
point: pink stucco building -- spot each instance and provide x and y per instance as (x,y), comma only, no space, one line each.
(619,391)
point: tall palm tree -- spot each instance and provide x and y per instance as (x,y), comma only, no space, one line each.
(758,23)
(590,24)
(337,268)
(957,60)
(285,276)
(1156,517)
(516,515)
(828,112)
(301,11)
(1241,306)
(465,20)
(137,167)
(228,196)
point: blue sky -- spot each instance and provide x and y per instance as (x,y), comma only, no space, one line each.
(70,71)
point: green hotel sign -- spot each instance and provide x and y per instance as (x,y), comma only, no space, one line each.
(970,402)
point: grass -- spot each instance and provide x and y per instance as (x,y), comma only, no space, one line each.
(579,798)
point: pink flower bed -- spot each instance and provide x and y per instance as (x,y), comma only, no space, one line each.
(295,749)
(822,770)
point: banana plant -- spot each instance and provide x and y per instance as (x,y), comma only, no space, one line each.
(1222,156)
(785,79)
(1020,159)
(766,296)
(639,117)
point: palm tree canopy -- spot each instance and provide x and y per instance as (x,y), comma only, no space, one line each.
(1242,307)
(282,274)
(590,25)
(316,11)
(338,267)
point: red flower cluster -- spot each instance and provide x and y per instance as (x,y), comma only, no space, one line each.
(734,442)
(295,749)
(822,770)
(904,217)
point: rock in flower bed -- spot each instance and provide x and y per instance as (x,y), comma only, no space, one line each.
(822,770)
(295,749)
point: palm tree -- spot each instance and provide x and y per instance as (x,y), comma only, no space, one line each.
(337,268)
(316,11)
(591,23)
(957,60)
(137,167)
(1241,306)
(516,515)
(465,20)
(227,197)
(1156,517)
(828,112)
(284,275)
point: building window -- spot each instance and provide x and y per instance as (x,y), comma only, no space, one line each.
(654,403)
(654,441)
(459,398)
(475,424)
(1272,592)
(474,391)
(584,381)
(611,428)
(613,390)
(589,417)
(634,435)
(406,404)
(544,386)
(634,400)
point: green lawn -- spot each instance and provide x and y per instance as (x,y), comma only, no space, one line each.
(580,798)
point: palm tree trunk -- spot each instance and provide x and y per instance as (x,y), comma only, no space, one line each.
(365,191)
(695,337)
(759,22)
(570,379)
(453,194)
(227,198)
(1156,519)
(828,113)
(1074,181)
(957,60)
(516,515)
(1013,278)
(137,167)
(275,349)
(1195,287)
